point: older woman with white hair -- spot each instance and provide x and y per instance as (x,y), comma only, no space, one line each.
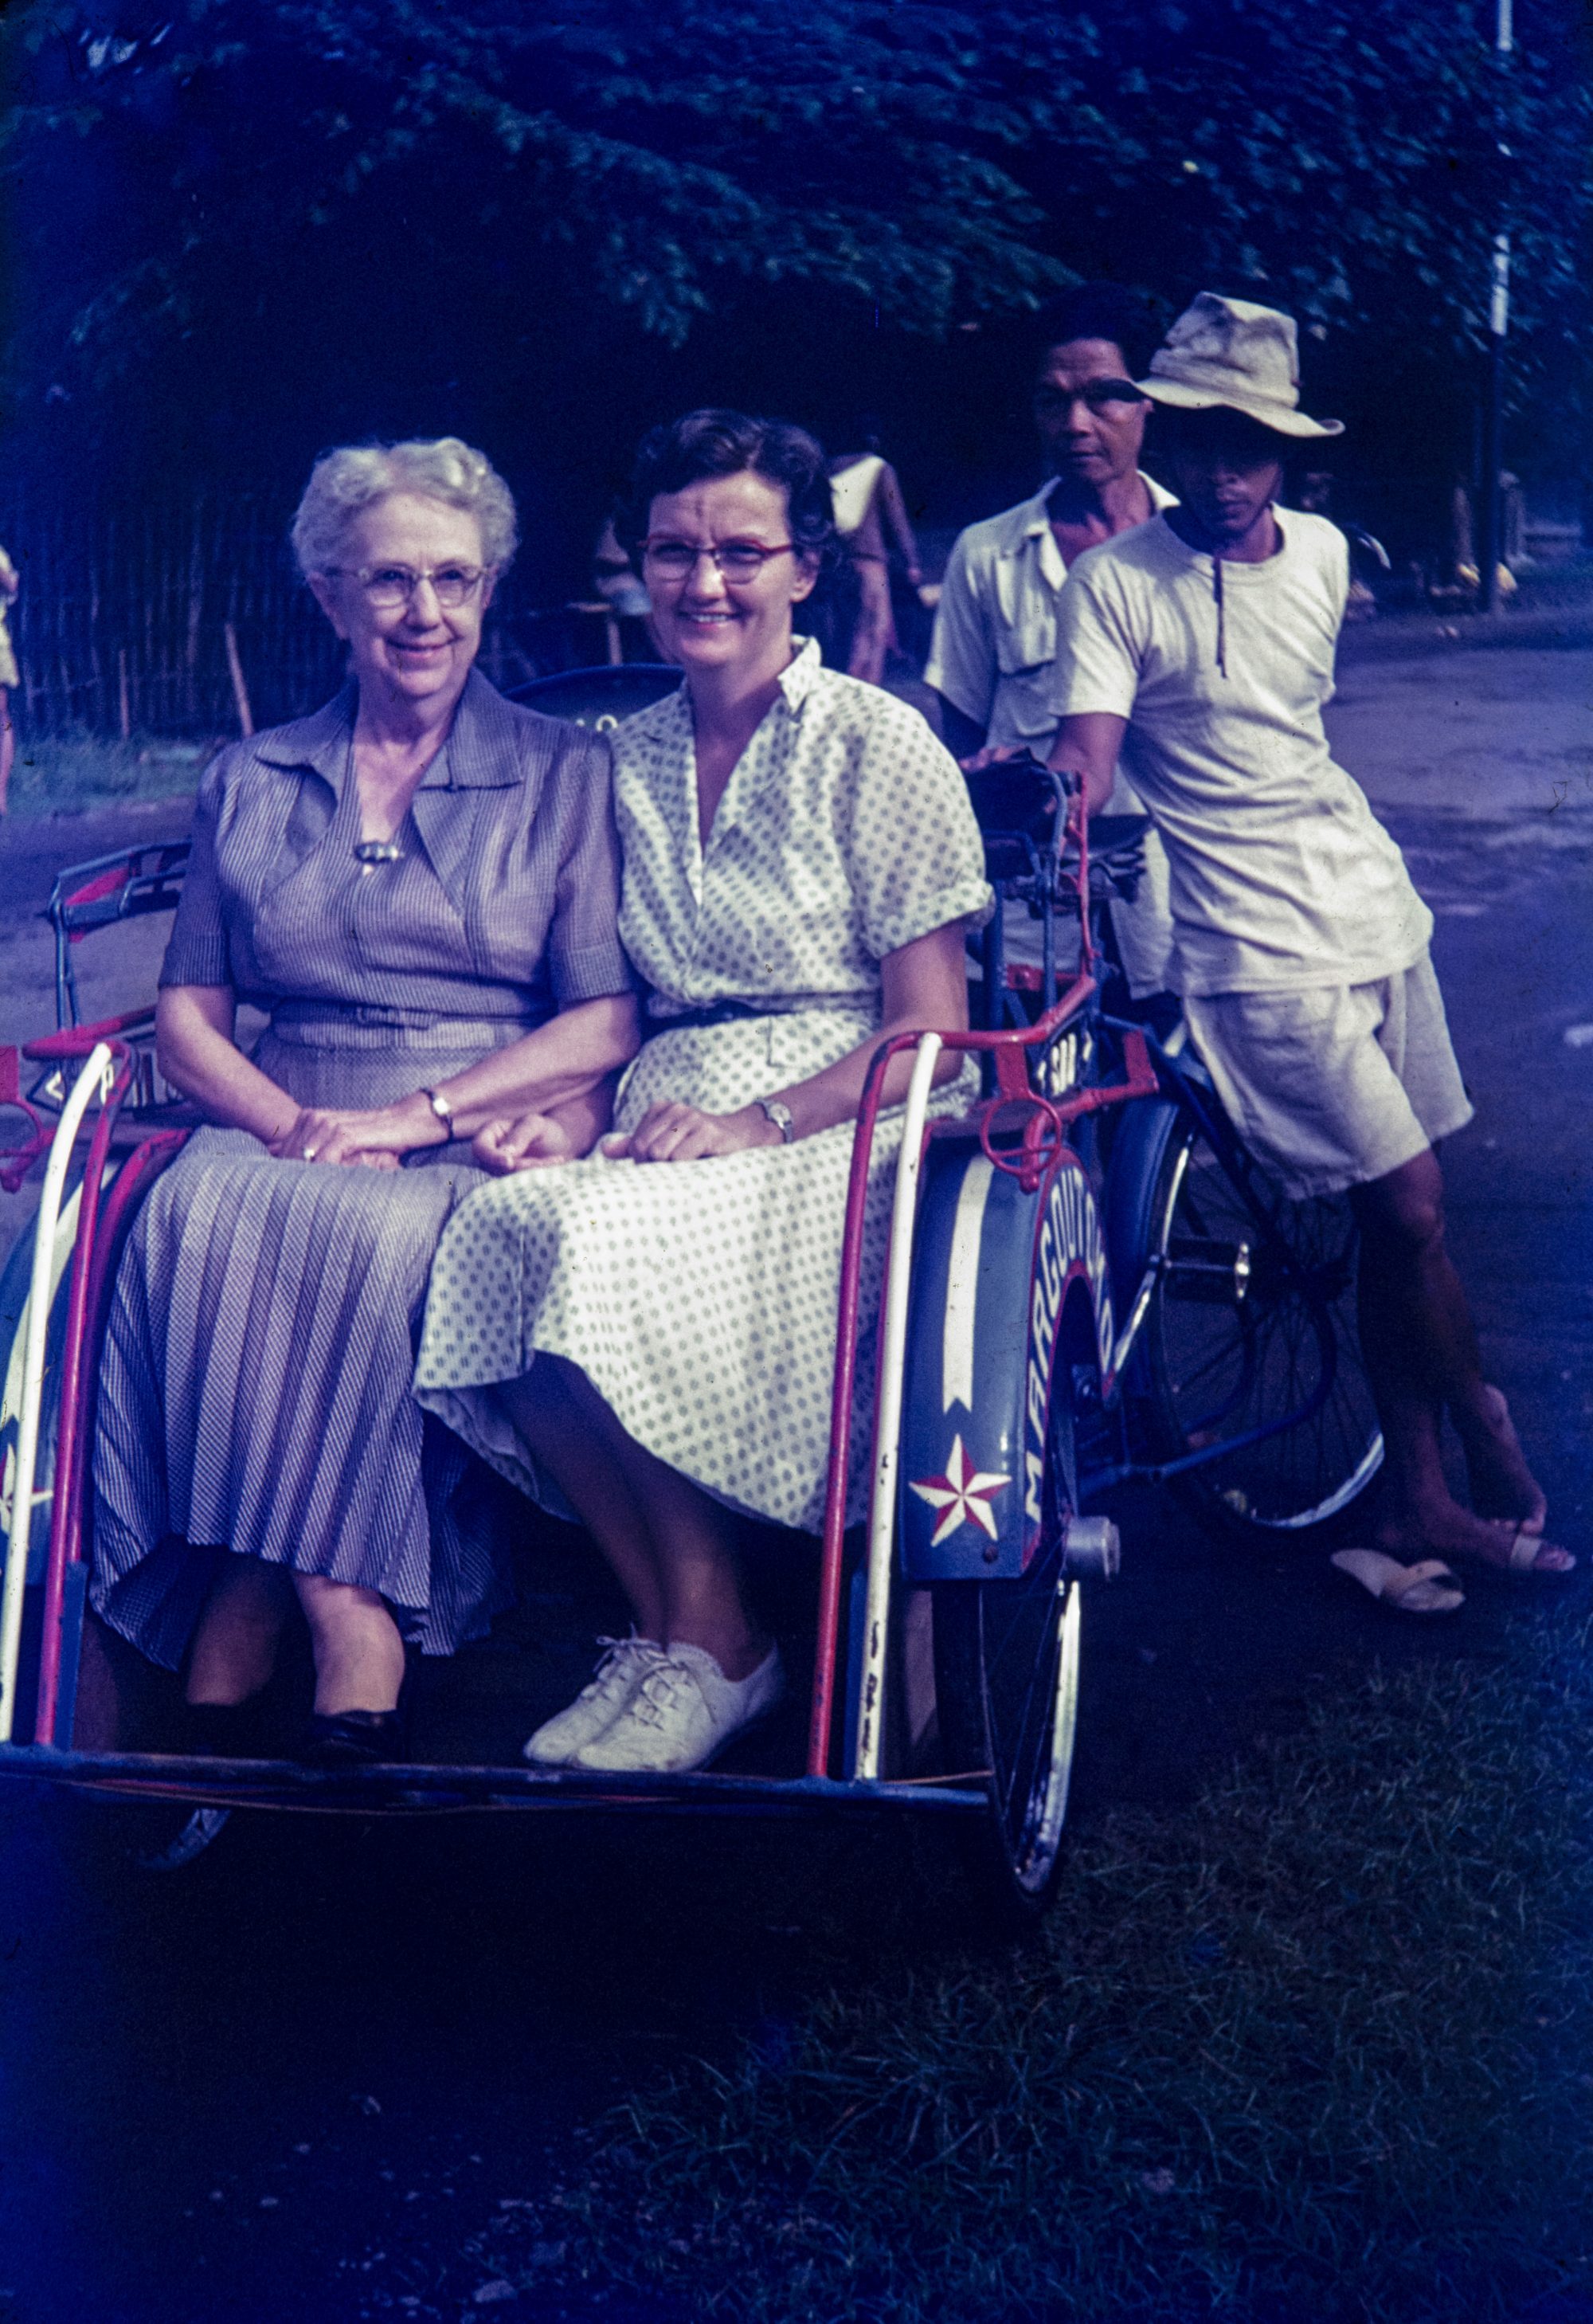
(419,885)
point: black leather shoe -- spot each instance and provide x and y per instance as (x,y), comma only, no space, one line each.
(352,1739)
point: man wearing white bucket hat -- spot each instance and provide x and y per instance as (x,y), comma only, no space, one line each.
(1201,645)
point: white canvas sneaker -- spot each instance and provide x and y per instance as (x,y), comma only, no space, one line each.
(599,1704)
(683,1712)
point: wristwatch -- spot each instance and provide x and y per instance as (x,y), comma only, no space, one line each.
(780,1115)
(440,1107)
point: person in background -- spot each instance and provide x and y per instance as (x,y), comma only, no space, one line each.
(1206,640)
(1461,543)
(1464,568)
(10,677)
(993,659)
(619,586)
(1314,497)
(871,520)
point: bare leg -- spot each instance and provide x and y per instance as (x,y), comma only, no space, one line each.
(358,1652)
(672,1548)
(579,1442)
(1421,1352)
(239,1630)
(875,634)
(695,1542)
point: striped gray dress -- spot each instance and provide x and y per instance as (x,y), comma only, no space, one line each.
(255,1384)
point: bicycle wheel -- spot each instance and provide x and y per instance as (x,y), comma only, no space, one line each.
(1252,1341)
(1007,1686)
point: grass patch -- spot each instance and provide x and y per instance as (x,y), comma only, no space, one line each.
(1317,2049)
(55,774)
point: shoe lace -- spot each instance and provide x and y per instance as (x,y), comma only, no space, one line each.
(618,1650)
(660,1693)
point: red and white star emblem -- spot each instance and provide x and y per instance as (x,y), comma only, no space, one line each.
(962,1494)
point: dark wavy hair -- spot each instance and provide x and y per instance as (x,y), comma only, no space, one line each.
(715,443)
(1095,310)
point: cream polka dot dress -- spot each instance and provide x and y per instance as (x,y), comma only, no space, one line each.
(699,1298)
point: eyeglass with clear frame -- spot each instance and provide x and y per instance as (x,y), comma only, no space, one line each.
(386,585)
(737,560)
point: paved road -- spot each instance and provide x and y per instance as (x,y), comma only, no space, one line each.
(293,2083)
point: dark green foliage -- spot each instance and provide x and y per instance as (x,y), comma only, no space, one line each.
(944,164)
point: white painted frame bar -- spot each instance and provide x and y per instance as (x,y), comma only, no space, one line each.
(869,1711)
(94,1081)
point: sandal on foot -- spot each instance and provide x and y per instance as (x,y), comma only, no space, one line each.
(1496,1502)
(1428,1588)
(1526,1546)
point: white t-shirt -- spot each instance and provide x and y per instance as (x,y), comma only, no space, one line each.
(1281,877)
(851,489)
(993,655)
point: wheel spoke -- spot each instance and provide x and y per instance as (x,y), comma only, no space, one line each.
(1036,1677)
(1289,1356)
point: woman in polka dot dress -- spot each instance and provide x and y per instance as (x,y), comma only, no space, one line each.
(653,1346)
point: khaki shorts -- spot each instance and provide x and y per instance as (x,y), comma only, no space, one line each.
(1336,1085)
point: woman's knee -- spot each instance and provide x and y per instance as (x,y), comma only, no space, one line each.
(326,1601)
(251,1590)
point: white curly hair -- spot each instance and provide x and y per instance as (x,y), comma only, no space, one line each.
(344,482)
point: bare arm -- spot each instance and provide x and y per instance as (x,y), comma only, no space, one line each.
(197,1054)
(555,1067)
(1088,746)
(564,1133)
(962,735)
(925,986)
(557,1064)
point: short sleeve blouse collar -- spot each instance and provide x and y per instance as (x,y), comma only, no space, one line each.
(480,754)
(800,674)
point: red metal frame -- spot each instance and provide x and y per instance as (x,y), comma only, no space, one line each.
(1047,1116)
(1012,1085)
(51,1048)
(70,1434)
(76,1040)
(98,1242)
(18,1161)
(81,1399)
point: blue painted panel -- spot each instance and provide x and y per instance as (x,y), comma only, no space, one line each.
(962,1508)
(991,1273)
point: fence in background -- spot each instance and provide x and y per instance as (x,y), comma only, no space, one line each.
(187,618)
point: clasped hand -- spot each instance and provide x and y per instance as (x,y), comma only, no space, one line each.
(370,1139)
(671,1132)
(677,1133)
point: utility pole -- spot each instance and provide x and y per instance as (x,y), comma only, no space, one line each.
(1492,528)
